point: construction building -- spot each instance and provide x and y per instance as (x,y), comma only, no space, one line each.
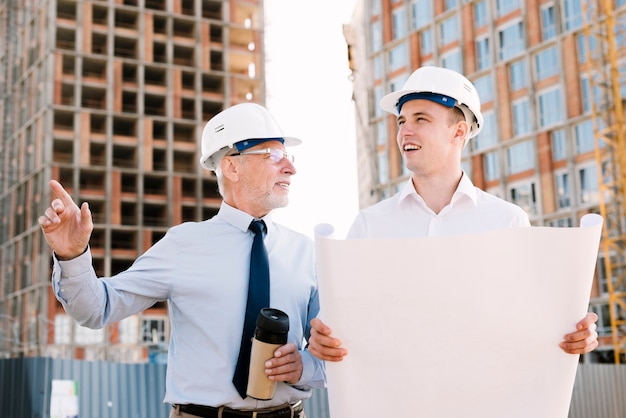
(110,98)
(550,75)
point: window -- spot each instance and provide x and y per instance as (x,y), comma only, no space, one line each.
(383,167)
(484,87)
(449,30)
(588,184)
(481,17)
(377,36)
(550,108)
(396,83)
(521,157)
(524,196)
(511,41)
(62,329)
(398,57)
(421,13)
(153,330)
(381,132)
(453,61)
(504,7)
(492,170)
(581,46)
(488,135)
(399,23)
(546,63)
(483,56)
(583,132)
(548,23)
(88,336)
(129,330)
(450,4)
(563,199)
(378,67)
(375,7)
(572,13)
(426,42)
(561,223)
(585,90)
(603,311)
(559,146)
(517,74)
(596,94)
(378,94)
(521,117)
(602,276)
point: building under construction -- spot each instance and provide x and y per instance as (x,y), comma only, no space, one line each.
(110,98)
(551,75)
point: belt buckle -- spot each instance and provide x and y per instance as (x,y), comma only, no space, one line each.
(295,408)
(298,406)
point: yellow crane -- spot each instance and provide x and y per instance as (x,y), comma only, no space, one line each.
(603,54)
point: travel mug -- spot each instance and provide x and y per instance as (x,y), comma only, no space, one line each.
(272,327)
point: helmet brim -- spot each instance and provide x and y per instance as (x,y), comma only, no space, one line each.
(291,141)
(389,102)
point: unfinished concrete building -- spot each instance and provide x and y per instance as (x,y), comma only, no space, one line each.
(110,98)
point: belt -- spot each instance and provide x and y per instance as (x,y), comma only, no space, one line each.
(286,411)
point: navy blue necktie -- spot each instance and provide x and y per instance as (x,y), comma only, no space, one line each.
(258,298)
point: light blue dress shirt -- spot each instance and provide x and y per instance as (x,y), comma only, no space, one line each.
(201,269)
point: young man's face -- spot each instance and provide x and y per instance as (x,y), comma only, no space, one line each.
(428,137)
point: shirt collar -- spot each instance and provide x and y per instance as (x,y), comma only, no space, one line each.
(241,220)
(465,187)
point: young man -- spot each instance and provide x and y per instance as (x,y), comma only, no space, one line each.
(202,270)
(438,111)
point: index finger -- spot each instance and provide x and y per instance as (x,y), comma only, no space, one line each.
(588,320)
(285,349)
(320,327)
(61,193)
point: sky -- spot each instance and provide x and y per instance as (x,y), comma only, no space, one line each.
(309,94)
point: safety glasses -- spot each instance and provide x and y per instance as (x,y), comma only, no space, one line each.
(276,154)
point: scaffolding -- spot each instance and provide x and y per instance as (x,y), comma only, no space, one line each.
(604,35)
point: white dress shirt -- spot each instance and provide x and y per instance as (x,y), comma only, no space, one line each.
(201,269)
(405,215)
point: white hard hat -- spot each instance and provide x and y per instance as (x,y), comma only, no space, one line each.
(241,126)
(439,84)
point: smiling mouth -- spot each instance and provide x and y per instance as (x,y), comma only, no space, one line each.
(283,185)
(411,147)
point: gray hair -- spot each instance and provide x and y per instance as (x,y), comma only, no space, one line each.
(220,181)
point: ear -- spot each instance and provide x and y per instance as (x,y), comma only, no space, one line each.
(230,168)
(462,131)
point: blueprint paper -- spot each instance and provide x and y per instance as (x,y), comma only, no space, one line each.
(466,326)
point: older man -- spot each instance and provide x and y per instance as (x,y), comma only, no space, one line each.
(203,270)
